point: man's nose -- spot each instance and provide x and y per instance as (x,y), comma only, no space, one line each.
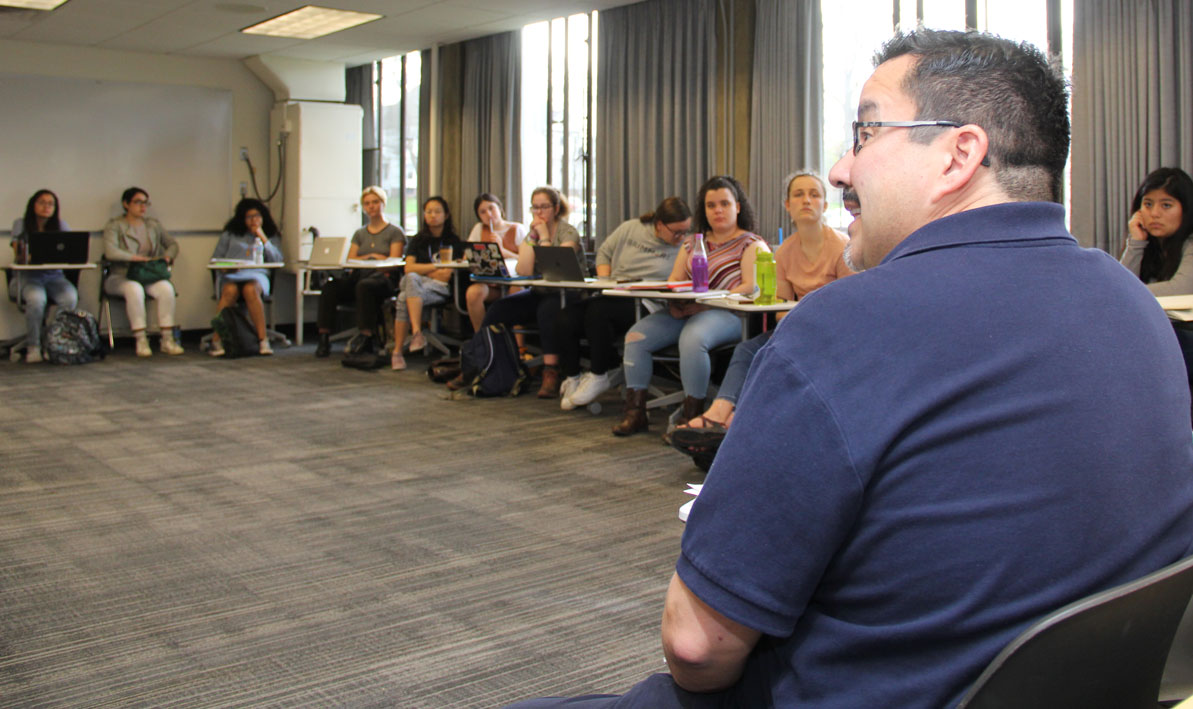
(839,176)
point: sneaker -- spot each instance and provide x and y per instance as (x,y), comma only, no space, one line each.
(169,346)
(143,346)
(417,342)
(397,361)
(591,386)
(217,349)
(565,391)
(33,355)
(263,347)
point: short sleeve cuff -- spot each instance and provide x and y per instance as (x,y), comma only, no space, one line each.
(731,605)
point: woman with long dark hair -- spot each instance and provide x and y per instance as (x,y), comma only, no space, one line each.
(250,226)
(1158,245)
(39,287)
(425,282)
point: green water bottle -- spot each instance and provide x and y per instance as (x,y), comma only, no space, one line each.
(764,278)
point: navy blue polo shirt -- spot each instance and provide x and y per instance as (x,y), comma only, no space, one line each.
(931,455)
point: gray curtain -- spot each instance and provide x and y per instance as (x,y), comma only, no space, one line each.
(491,143)
(787,104)
(359,90)
(655,115)
(1132,105)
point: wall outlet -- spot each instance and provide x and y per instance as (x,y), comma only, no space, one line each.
(244,189)
(244,154)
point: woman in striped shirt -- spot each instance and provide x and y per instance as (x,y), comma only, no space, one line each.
(724,215)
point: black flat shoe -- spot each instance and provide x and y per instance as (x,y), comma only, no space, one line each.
(323,349)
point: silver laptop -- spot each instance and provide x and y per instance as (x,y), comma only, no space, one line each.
(329,251)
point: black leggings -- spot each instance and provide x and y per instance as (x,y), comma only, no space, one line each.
(526,307)
(604,320)
(368,289)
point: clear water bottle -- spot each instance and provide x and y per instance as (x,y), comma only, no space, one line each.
(699,265)
(258,251)
(764,278)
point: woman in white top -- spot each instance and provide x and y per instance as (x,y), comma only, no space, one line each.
(492,228)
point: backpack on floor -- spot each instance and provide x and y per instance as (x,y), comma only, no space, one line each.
(237,334)
(72,337)
(490,363)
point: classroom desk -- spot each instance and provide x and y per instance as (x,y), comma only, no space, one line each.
(19,268)
(302,286)
(744,307)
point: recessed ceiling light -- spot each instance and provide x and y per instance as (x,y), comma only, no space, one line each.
(309,22)
(33,4)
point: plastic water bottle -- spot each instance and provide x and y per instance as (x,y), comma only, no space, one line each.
(764,278)
(258,252)
(699,265)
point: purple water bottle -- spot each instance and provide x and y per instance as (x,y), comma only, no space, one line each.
(699,265)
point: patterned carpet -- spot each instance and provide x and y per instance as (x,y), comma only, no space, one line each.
(282,531)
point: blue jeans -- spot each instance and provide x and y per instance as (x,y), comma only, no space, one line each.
(735,376)
(696,335)
(36,297)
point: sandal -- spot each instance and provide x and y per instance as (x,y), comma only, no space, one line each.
(704,439)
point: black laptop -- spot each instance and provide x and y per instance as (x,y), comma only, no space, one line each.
(558,263)
(68,247)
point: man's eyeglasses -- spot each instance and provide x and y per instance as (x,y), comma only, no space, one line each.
(860,139)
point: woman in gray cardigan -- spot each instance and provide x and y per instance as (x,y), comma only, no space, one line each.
(137,239)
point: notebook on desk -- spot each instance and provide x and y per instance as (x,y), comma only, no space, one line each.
(329,251)
(69,247)
(558,263)
(485,260)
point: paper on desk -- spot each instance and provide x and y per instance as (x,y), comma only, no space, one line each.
(693,490)
(233,261)
(1177,307)
(375,263)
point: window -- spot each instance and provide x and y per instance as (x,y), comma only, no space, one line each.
(869,23)
(558,86)
(397,95)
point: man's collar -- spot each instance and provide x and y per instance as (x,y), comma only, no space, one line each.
(1002,223)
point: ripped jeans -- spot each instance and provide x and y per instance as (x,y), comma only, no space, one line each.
(696,335)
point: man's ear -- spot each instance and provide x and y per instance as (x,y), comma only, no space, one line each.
(963,154)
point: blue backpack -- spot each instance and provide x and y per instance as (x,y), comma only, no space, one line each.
(490,364)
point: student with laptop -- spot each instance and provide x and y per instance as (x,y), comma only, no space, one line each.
(642,249)
(367,287)
(494,229)
(425,282)
(548,228)
(251,227)
(141,252)
(39,287)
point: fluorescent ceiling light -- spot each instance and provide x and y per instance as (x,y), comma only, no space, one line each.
(33,4)
(309,22)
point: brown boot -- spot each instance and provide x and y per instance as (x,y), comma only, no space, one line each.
(692,407)
(635,414)
(550,386)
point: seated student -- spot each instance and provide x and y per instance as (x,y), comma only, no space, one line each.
(548,228)
(252,224)
(491,228)
(811,257)
(425,283)
(641,249)
(725,216)
(1158,248)
(367,287)
(141,252)
(39,287)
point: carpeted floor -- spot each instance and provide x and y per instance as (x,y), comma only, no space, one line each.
(282,531)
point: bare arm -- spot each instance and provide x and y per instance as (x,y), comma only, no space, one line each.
(705,650)
(679,271)
(525,265)
(604,270)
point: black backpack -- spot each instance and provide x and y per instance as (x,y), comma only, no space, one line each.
(237,334)
(72,337)
(490,364)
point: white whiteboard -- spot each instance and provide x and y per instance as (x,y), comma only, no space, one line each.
(88,140)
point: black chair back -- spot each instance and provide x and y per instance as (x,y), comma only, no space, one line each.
(1105,650)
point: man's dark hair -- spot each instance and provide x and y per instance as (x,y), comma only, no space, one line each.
(1011,90)
(1162,257)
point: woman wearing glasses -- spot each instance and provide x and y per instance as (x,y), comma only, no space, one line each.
(39,287)
(641,249)
(547,228)
(141,252)
(726,218)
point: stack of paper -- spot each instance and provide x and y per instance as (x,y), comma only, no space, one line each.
(693,490)
(1178,307)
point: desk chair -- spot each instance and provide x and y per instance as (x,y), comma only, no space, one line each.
(105,308)
(15,346)
(1105,650)
(274,337)
(1178,673)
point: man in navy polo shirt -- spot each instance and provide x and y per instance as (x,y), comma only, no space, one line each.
(986,424)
